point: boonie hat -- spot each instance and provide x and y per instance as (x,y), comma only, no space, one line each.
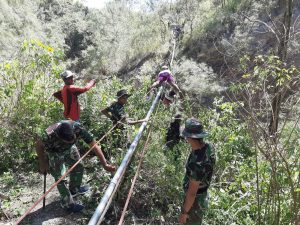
(193,129)
(65,131)
(122,93)
(67,74)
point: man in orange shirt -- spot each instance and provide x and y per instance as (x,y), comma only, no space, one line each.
(69,95)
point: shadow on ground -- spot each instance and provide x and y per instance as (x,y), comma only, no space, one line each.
(53,214)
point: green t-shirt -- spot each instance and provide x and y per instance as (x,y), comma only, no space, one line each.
(54,144)
(199,167)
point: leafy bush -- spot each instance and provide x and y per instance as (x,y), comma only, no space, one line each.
(27,84)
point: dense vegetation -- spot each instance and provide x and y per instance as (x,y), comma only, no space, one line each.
(236,60)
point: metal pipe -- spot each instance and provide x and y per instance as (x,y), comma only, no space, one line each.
(115,182)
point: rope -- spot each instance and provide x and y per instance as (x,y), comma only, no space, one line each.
(105,202)
(62,177)
(133,182)
(142,156)
(100,211)
(136,175)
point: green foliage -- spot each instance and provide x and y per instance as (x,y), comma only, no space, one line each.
(232,6)
(276,157)
(159,185)
(255,181)
(229,131)
(264,69)
(25,106)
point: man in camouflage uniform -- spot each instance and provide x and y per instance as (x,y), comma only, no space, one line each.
(199,170)
(116,112)
(56,148)
(173,132)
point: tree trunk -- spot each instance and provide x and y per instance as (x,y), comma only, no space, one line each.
(282,54)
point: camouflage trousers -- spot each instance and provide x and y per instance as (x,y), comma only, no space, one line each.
(57,166)
(197,211)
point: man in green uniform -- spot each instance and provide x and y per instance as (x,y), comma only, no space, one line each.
(116,112)
(56,148)
(173,132)
(199,170)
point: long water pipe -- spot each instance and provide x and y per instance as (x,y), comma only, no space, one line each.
(103,206)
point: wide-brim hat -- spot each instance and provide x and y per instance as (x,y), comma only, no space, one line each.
(67,74)
(122,93)
(194,129)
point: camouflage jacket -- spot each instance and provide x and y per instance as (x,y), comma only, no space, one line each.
(199,167)
(117,110)
(54,144)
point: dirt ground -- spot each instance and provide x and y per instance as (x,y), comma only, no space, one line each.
(31,190)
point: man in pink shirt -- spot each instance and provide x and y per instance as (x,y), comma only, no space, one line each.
(69,95)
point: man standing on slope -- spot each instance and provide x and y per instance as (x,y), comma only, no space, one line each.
(69,95)
(116,112)
(198,175)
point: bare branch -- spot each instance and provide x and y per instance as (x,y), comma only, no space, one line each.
(266,25)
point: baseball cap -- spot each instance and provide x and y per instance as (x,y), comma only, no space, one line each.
(67,74)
